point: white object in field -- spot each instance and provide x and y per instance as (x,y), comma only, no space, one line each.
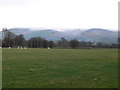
(48,47)
(9,47)
(25,48)
(21,47)
(0,47)
(18,47)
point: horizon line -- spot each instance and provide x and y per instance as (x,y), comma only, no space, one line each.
(57,29)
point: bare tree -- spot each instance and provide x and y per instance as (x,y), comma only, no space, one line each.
(8,38)
(74,43)
(19,40)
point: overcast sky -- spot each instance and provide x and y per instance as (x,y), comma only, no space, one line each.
(83,14)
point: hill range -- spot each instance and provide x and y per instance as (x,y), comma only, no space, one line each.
(93,34)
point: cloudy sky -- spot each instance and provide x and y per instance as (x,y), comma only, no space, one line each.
(83,14)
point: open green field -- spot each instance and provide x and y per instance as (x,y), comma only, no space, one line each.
(60,68)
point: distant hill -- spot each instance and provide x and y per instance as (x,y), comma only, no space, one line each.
(47,34)
(93,34)
(99,35)
(20,30)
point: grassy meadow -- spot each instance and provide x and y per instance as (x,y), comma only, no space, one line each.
(60,68)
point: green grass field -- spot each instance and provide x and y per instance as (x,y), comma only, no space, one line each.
(60,68)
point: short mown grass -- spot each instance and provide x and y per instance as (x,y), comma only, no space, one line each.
(60,68)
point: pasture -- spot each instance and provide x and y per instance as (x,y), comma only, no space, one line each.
(60,68)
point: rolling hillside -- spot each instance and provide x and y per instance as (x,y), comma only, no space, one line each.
(94,34)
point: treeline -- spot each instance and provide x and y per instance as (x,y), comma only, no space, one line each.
(10,39)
